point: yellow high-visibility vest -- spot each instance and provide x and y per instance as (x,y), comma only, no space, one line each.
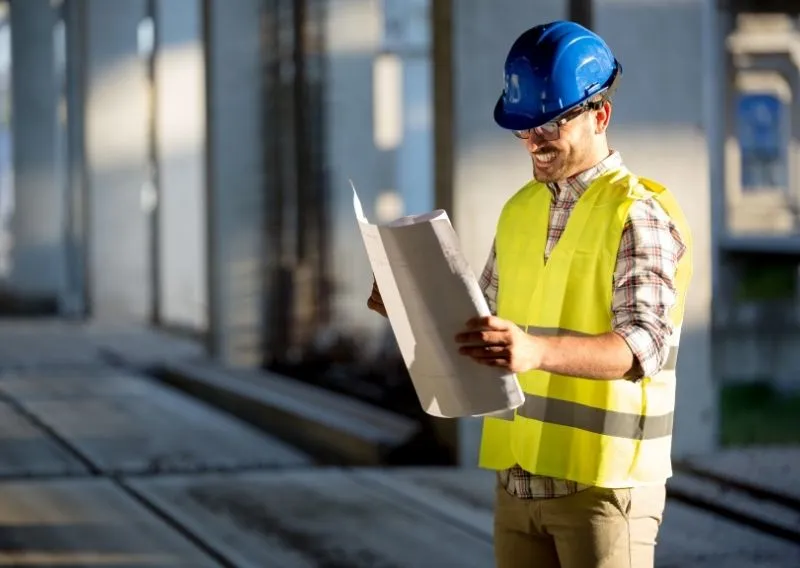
(607,433)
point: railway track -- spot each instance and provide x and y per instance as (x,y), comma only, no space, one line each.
(768,511)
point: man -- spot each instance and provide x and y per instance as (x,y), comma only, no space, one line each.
(587,277)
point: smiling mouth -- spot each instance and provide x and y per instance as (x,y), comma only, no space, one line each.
(544,158)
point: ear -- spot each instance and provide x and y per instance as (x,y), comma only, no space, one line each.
(602,117)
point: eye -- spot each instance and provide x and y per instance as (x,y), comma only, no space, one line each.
(550,127)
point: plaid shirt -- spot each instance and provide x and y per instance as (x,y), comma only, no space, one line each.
(644,292)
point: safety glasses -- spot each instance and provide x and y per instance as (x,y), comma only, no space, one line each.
(550,131)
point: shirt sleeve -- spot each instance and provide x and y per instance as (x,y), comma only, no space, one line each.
(644,284)
(489,280)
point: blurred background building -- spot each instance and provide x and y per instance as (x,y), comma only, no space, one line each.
(184,164)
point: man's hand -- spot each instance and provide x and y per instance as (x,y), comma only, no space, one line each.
(497,342)
(375,302)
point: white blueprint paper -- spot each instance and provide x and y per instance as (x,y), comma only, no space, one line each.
(430,292)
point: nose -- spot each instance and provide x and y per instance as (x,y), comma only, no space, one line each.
(533,141)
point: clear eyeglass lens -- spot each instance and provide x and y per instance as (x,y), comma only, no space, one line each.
(547,131)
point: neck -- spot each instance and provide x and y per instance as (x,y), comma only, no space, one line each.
(589,163)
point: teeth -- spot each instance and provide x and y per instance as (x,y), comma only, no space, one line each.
(546,158)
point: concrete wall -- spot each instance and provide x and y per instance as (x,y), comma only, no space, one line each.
(658,124)
(180,146)
(38,222)
(119,259)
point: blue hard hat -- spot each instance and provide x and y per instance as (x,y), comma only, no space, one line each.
(551,69)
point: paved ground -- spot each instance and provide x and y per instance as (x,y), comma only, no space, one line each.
(773,468)
(100,466)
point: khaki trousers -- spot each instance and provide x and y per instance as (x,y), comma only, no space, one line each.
(595,528)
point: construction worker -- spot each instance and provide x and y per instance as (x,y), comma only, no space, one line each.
(587,277)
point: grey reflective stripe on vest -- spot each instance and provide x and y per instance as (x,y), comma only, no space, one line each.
(670,361)
(551,331)
(595,420)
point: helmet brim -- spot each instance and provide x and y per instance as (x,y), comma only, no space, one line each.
(517,121)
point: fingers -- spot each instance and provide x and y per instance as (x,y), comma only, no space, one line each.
(487,341)
(499,357)
(483,338)
(488,322)
(376,306)
(502,362)
(375,302)
(484,352)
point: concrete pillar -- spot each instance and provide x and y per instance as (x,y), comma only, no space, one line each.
(180,152)
(659,126)
(237,251)
(6,164)
(76,302)
(38,225)
(360,147)
(407,34)
(116,137)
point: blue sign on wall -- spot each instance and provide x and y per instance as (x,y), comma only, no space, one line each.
(759,125)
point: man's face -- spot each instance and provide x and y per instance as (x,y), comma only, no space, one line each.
(574,151)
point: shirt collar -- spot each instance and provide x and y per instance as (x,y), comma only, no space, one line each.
(577,184)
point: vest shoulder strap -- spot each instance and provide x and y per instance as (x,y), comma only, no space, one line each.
(670,204)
